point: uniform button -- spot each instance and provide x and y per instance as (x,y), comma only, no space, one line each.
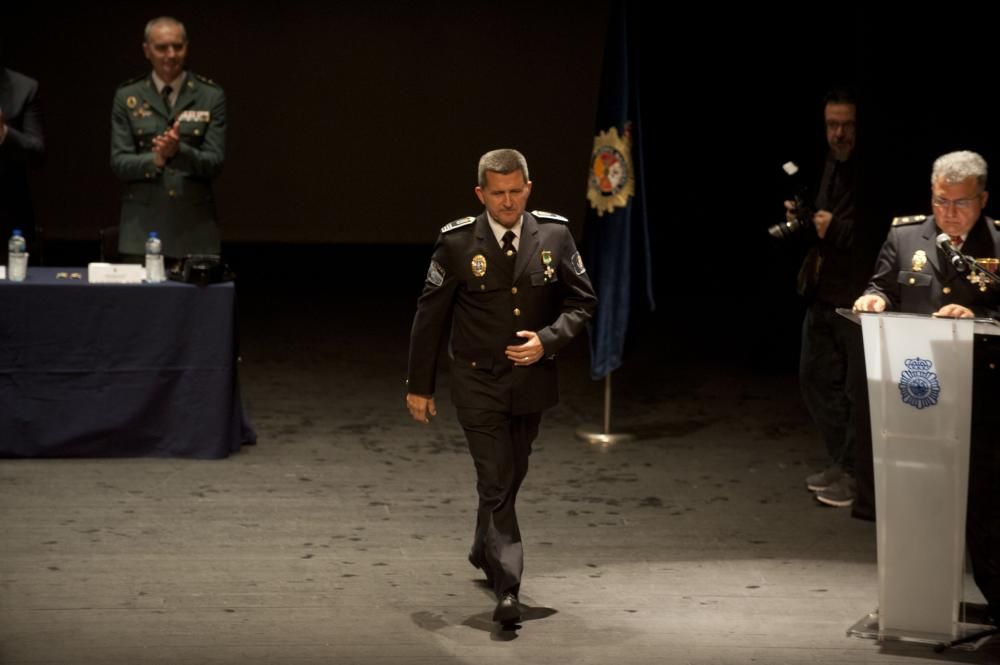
(913,281)
(473,363)
(513,290)
(993,365)
(149,175)
(197,132)
(510,252)
(140,132)
(517,312)
(172,193)
(946,290)
(482,287)
(142,144)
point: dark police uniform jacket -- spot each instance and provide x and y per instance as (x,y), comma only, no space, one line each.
(913,275)
(23,147)
(175,201)
(473,290)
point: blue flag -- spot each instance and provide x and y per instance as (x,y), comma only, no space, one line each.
(616,235)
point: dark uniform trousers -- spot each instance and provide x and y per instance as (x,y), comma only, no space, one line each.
(482,298)
(925,291)
(500,444)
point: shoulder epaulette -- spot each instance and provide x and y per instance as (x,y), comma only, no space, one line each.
(206,80)
(457,224)
(912,219)
(549,216)
(133,80)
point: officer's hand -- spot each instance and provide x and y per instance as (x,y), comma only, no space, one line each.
(821,220)
(168,143)
(869,303)
(421,407)
(529,352)
(955,312)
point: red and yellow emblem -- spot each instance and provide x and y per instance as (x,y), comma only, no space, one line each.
(612,179)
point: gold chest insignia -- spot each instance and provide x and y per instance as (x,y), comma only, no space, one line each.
(479,265)
(919,260)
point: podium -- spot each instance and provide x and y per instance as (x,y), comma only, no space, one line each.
(920,392)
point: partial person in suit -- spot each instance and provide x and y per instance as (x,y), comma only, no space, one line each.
(22,145)
(168,143)
(510,289)
(914,275)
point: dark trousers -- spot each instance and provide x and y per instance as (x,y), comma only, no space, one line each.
(825,363)
(500,444)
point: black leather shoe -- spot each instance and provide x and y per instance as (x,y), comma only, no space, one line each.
(481,565)
(508,609)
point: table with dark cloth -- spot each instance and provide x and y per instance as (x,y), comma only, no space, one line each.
(118,370)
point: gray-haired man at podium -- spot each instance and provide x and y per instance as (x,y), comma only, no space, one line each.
(914,274)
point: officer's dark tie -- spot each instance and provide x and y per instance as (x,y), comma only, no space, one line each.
(508,244)
(165,93)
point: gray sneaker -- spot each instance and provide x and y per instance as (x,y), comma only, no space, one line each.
(840,493)
(821,480)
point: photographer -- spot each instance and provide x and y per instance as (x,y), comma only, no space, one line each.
(831,276)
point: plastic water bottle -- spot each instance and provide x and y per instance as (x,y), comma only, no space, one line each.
(17,257)
(154,259)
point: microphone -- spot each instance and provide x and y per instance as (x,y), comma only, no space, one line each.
(956,258)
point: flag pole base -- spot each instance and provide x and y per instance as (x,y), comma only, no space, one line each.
(596,437)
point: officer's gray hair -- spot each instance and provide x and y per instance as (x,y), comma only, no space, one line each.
(164,19)
(958,166)
(502,161)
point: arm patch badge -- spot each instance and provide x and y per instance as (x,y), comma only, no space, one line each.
(578,264)
(435,274)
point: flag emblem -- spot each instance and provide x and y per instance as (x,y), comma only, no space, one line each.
(612,180)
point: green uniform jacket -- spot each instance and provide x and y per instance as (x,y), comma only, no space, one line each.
(175,201)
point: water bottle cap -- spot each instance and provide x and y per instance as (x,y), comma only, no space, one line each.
(16,232)
(152,234)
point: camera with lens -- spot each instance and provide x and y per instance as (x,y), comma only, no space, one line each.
(802,214)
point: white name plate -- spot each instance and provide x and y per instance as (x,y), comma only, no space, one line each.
(115,273)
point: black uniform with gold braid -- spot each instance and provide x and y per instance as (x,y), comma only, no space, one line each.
(483,298)
(913,275)
(175,201)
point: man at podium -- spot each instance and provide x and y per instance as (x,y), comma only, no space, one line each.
(916,273)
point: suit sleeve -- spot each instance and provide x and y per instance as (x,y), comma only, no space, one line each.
(432,321)
(126,163)
(206,160)
(885,283)
(578,301)
(27,143)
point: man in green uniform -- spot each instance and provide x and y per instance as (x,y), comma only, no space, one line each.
(168,142)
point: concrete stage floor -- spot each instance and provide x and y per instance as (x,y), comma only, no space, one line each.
(341,536)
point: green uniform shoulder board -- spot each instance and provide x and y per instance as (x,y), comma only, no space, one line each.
(912,219)
(206,80)
(457,224)
(133,80)
(544,216)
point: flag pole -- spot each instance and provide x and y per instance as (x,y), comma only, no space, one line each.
(604,437)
